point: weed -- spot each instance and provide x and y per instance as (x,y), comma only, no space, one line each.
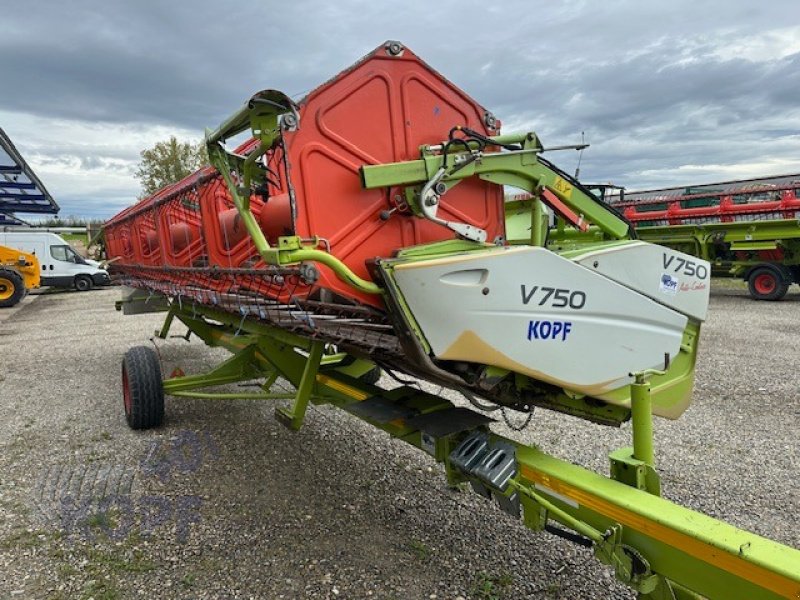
(102,520)
(99,589)
(66,571)
(24,538)
(553,591)
(491,587)
(420,550)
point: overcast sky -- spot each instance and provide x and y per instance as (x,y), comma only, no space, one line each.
(678,93)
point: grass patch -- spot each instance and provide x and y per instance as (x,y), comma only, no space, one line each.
(98,589)
(491,587)
(419,549)
(106,520)
(102,566)
(553,591)
(25,538)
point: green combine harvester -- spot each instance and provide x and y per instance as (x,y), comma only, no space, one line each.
(364,229)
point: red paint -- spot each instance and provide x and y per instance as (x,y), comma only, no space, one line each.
(378,111)
(765,283)
(562,209)
(722,207)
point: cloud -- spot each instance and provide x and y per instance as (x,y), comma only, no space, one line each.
(87,166)
(671,93)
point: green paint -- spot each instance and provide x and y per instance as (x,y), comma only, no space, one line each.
(265,113)
(642,419)
(659,549)
(521,169)
(293,417)
(678,553)
(731,248)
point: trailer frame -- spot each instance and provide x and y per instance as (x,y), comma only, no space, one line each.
(661,550)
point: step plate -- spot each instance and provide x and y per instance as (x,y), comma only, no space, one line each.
(449,421)
(380,410)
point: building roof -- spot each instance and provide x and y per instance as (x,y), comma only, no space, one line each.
(20,189)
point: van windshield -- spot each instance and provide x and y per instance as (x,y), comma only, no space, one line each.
(66,254)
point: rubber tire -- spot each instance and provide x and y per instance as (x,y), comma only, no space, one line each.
(142,390)
(777,291)
(372,376)
(83,283)
(18,293)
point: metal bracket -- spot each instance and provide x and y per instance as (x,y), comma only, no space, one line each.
(293,418)
(498,466)
(627,469)
(429,198)
(469,453)
(630,566)
(492,465)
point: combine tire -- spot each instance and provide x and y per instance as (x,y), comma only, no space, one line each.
(12,288)
(83,283)
(766,283)
(142,392)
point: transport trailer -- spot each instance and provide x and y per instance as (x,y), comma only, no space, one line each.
(364,229)
(748,229)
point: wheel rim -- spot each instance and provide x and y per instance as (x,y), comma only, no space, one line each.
(765,283)
(126,391)
(6,288)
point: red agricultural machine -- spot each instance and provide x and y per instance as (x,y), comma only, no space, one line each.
(363,229)
(749,229)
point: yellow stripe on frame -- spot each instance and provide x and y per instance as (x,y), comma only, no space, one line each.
(775,582)
(343,388)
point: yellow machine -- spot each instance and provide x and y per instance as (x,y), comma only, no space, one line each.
(19,272)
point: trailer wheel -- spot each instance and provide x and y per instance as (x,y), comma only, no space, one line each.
(83,283)
(766,283)
(142,392)
(12,288)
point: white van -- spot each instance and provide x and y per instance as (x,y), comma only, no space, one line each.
(61,265)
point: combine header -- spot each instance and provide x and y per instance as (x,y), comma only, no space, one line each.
(748,229)
(364,228)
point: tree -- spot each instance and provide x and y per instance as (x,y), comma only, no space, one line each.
(167,162)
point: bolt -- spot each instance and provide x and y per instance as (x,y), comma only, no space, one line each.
(394,48)
(485,291)
(289,121)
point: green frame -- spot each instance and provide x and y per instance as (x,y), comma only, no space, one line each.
(661,550)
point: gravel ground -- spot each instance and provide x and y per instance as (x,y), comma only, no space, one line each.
(222,502)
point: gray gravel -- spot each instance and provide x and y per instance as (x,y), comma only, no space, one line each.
(222,502)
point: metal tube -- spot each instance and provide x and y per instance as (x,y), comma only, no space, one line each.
(567,519)
(231,396)
(341,270)
(642,421)
(537,214)
(233,125)
(294,417)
